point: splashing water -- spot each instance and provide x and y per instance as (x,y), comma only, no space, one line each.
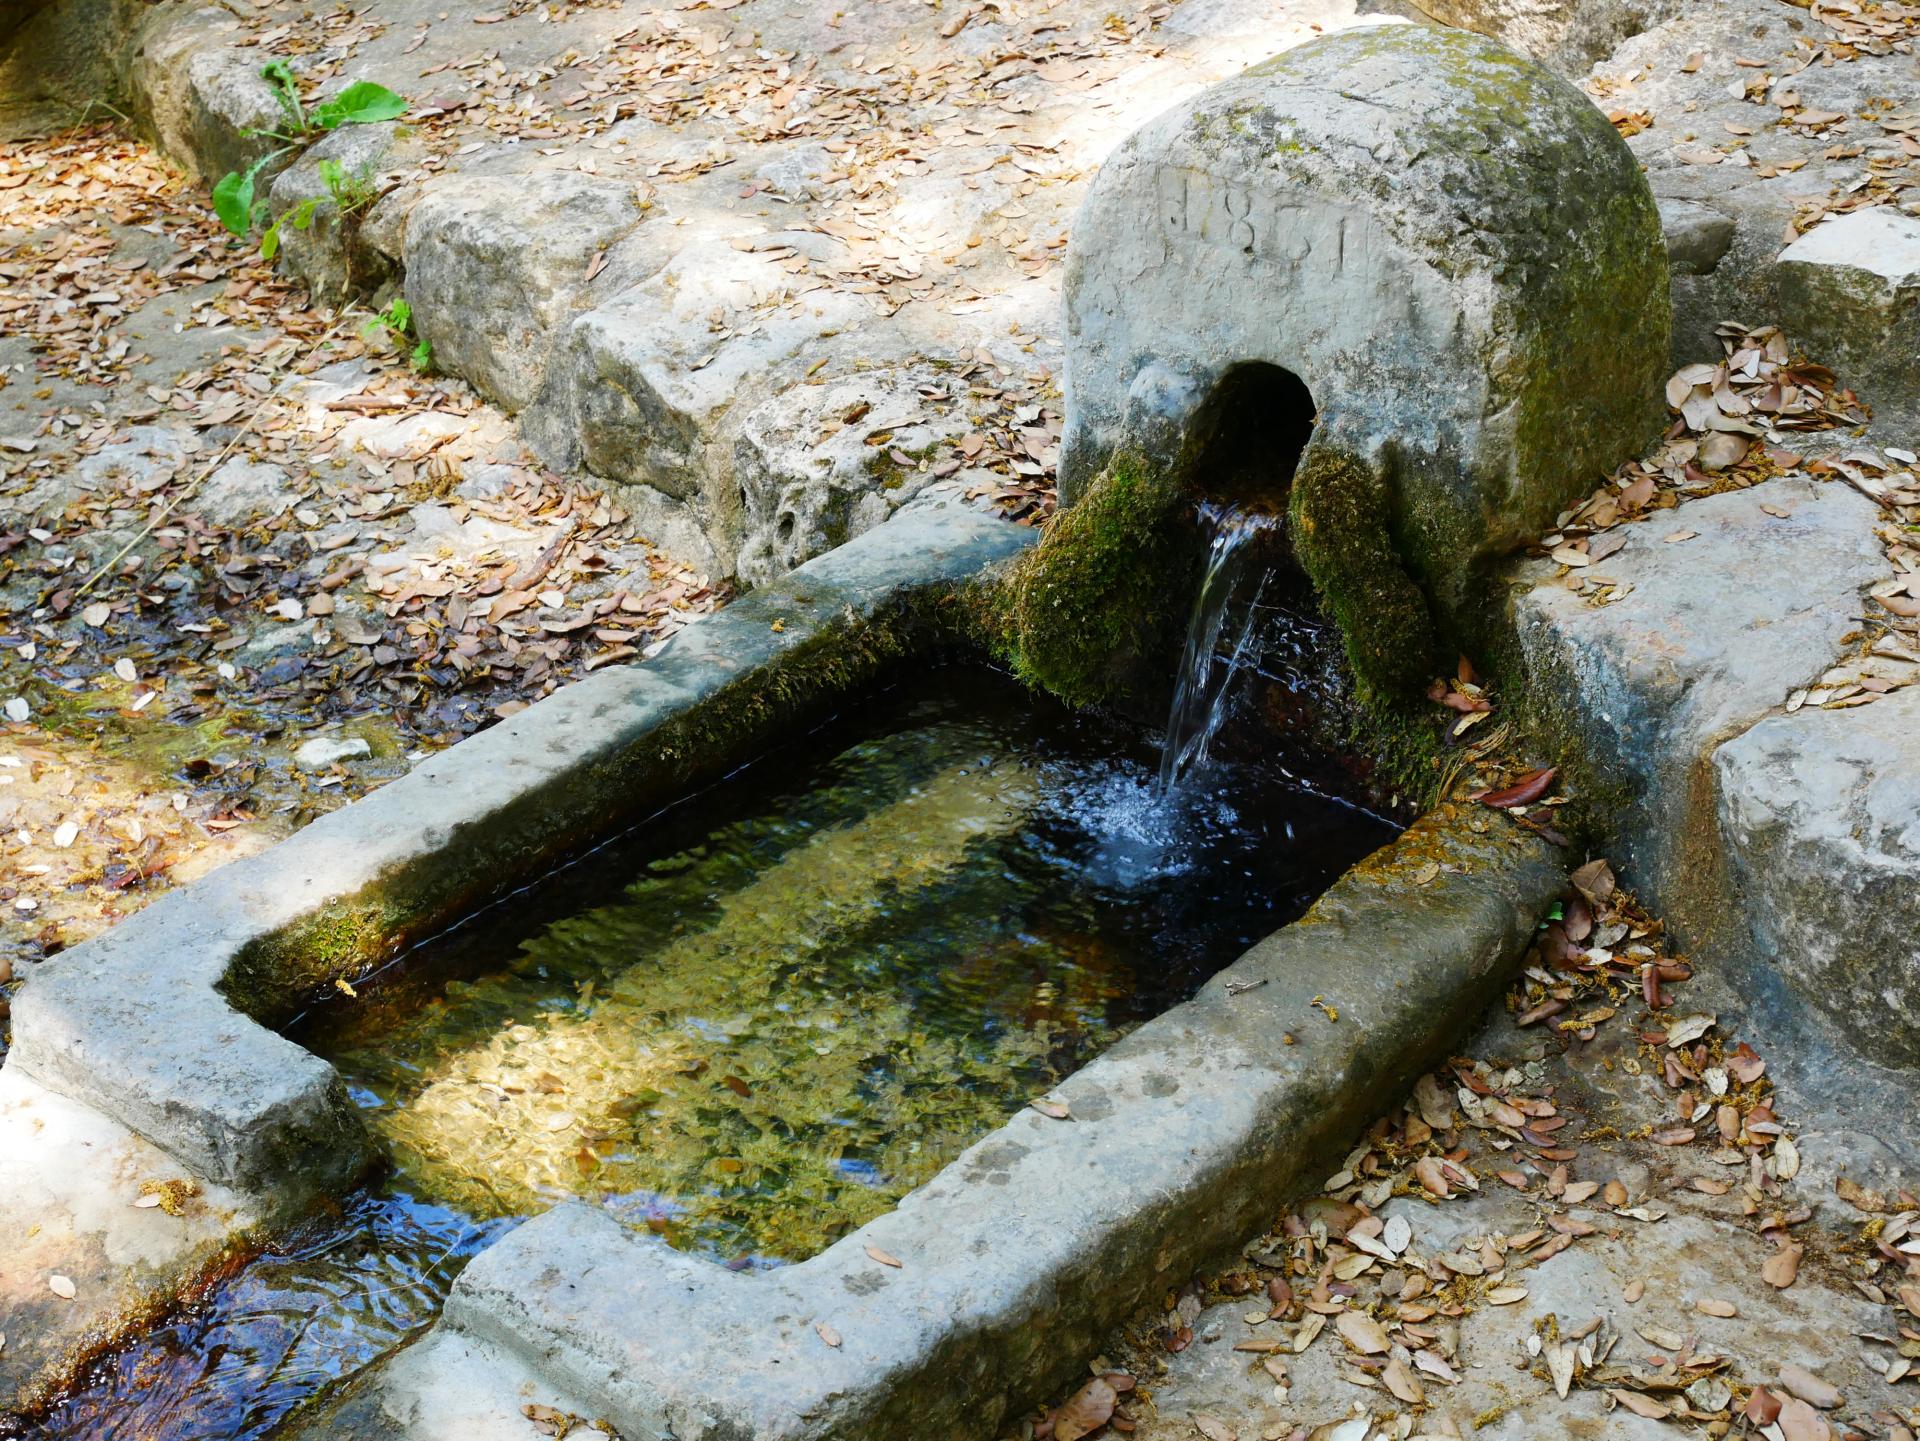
(1201,690)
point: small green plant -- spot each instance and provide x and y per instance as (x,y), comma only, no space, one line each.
(235,199)
(349,192)
(394,324)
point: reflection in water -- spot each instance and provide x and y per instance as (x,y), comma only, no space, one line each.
(335,1294)
(755,1023)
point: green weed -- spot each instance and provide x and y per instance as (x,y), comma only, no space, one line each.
(394,324)
(236,200)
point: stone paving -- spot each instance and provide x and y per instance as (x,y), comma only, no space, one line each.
(770,272)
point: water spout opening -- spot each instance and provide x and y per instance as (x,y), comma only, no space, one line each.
(1251,433)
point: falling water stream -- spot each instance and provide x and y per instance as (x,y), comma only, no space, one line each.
(1228,602)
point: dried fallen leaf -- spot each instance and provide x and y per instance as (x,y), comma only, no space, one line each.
(1055,1109)
(1506,1295)
(1640,1405)
(1782,1268)
(827,1333)
(1809,1387)
(1362,1332)
(1213,1428)
(883,1258)
(1712,1306)
(1523,792)
(1089,1408)
(1687,1029)
(1428,1172)
(1800,1422)
(1403,1383)
(61,1286)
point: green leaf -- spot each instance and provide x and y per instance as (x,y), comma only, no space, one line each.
(233,200)
(270,242)
(286,90)
(303,213)
(361,103)
(423,356)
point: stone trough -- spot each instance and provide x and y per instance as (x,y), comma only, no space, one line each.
(1396,257)
(150,1055)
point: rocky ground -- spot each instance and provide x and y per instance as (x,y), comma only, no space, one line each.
(250,563)
(1593,1223)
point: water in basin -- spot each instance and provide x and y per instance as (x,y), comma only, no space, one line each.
(755,1022)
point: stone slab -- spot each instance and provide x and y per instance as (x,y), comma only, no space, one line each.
(1850,293)
(1820,812)
(69,1180)
(445,1387)
(1018,1256)
(1715,633)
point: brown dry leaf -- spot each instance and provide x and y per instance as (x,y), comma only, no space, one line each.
(1762,1407)
(1712,1306)
(1403,1383)
(1595,881)
(1640,1405)
(826,1333)
(1056,1110)
(1362,1332)
(1213,1428)
(883,1258)
(1523,792)
(1506,1295)
(1090,1408)
(1782,1268)
(1800,1422)
(1429,1173)
(1809,1387)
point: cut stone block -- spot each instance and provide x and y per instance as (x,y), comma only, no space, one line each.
(1714,634)
(1698,236)
(1850,295)
(1447,245)
(810,479)
(494,264)
(1821,815)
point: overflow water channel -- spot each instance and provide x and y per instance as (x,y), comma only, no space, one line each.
(759,1019)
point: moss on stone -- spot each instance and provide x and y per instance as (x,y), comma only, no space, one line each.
(1340,515)
(1079,611)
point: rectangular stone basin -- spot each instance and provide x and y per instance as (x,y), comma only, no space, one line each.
(767,1013)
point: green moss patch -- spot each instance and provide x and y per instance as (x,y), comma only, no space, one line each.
(1102,590)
